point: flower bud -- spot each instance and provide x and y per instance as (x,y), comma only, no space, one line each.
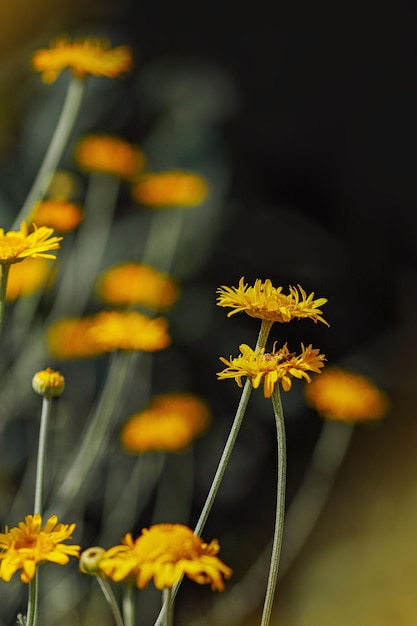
(90,559)
(48,383)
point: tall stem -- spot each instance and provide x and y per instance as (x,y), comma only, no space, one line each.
(111,600)
(128,604)
(32,612)
(280,507)
(40,463)
(55,150)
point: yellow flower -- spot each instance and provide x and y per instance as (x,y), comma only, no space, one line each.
(48,383)
(269,303)
(82,57)
(18,245)
(26,278)
(272,367)
(342,395)
(170,189)
(109,154)
(129,284)
(74,338)
(165,553)
(170,423)
(61,215)
(29,545)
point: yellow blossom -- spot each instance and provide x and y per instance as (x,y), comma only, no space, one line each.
(269,303)
(129,284)
(346,396)
(278,366)
(82,57)
(67,338)
(166,553)
(59,214)
(109,154)
(26,278)
(170,189)
(170,423)
(21,244)
(48,383)
(29,545)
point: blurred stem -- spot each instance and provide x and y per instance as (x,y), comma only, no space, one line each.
(55,150)
(40,463)
(162,240)
(111,600)
(32,612)
(4,274)
(280,507)
(169,602)
(129,605)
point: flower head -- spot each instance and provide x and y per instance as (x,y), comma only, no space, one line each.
(134,284)
(90,558)
(269,303)
(165,553)
(346,396)
(82,57)
(48,383)
(59,214)
(272,367)
(26,278)
(21,244)
(28,545)
(109,154)
(170,423)
(170,189)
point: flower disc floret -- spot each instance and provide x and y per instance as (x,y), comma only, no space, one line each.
(21,244)
(109,154)
(29,545)
(264,301)
(83,57)
(166,553)
(270,368)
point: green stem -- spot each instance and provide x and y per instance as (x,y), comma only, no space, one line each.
(280,508)
(32,612)
(111,600)
(40,464)
(168,601)
(55,150)
(4,274)
(128,604)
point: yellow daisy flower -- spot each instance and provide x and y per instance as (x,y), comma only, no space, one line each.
(166,553)
(269,303)
(278,366)
(346,396)
(129,284)
(48,383)
(82,57)
(109,154)
(170,189)
(170,423)
(21,244)
(59,214)
(29,545)
(67,338)
(26,278)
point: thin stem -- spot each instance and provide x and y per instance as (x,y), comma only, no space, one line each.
(40,464)
(169,602)
(4,274)
(280,507)
(128,604)
(111,600)
(56,148)
(32,612)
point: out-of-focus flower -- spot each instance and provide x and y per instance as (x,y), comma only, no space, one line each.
(26,278)
(170,189)
(29,545)
(269,303)
(61,215)
(64,185)
(170,423)
(272,367)
(82,57)
(109,154)
(48,383)
(74,338)
(166,553)
(17,245)
(130,284)
(346,396)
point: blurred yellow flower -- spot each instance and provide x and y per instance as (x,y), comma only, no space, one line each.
(82,57)
(170,189)
(61,215)
(49,383)
(26,278)
(63,186)
(29,545)
(272,367)
(75,338)
(170,423)
(269,303)
(129,284)
(346,396)
(109,154)
(166,553)
(21,244)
